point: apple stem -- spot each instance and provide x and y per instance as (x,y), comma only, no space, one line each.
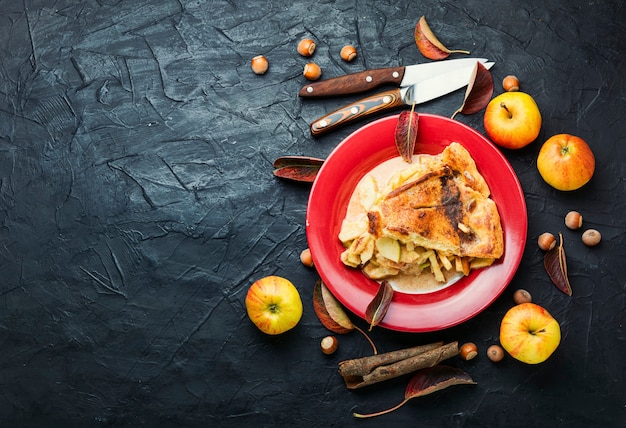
(507,109)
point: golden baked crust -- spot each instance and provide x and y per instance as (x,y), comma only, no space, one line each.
(440,211)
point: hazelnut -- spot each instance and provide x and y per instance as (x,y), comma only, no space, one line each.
(306,47)
(468,351)
(259,64)
(312,71)
(305,258)
(522,296)
(591,237)
(495,353)
(573,220)
(329,344)
(348,53)
(546,241)
(510,83)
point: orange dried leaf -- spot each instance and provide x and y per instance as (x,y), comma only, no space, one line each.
(329,310)
(332,315)
(428,44)
(478,92)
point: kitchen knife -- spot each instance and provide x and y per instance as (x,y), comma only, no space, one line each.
(418,93)
(369,79)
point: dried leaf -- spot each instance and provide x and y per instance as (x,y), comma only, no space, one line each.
(302,174)
(329,310)
(297,160)
(555,263)
(428,44)
(331,313)
(406,134)
(297,168)
(427,381)
(433,379)
(478,92)
(377,309)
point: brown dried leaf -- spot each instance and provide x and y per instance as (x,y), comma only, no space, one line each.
(427,381)
(297,168)
(329,310)
(377,309)
(478,92)
(406,134)
(331,313)
(555,263)
(428,44)
(433,379)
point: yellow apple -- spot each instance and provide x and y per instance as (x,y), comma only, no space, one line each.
(529,333)
(566,162)
(274,305)
(512,120)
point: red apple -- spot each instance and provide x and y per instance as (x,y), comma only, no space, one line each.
(274,305)
(529,333)
(566,162)
(512,120)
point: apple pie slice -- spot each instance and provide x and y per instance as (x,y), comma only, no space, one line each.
(435,216)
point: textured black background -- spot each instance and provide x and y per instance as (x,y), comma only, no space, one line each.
(137,205)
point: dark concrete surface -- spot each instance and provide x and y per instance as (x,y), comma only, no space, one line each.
(137,205)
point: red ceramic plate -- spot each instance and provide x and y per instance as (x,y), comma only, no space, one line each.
(361,152)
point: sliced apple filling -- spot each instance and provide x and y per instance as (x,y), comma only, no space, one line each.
(384,257)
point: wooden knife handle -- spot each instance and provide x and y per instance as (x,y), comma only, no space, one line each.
(359,109)
(353,83)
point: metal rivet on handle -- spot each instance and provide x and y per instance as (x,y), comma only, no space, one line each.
(323,124)
(386,99)
(309,89)
(369,79)
(395,74)
(354,110)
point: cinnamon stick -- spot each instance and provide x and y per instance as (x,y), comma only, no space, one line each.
(377,368)
(362,366)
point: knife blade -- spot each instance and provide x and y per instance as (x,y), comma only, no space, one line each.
(418,93)
(369,79)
